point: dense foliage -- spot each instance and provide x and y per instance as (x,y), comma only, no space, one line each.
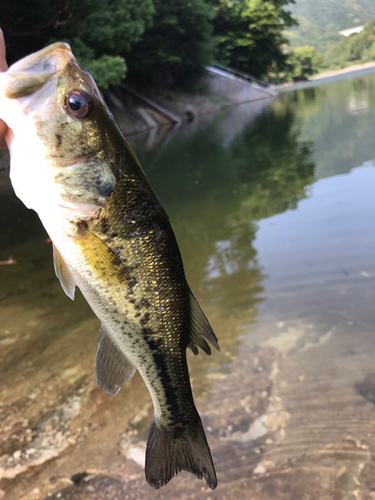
(302,63)
(161,43)
(110,28)
(176,48)
(357,48)
(249,34)
(99,31)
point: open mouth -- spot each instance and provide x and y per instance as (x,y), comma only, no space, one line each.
(29,74)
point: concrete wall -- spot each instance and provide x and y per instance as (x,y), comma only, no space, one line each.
(234,89)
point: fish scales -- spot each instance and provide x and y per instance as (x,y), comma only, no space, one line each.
(111,238)
(145,239)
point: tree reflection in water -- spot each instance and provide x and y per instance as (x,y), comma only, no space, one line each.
(215,193)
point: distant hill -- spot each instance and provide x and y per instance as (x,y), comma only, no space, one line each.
(354,49)
(321,20)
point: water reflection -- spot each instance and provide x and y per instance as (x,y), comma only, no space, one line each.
(338,119)
(215,192)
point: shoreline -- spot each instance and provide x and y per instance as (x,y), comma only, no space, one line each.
(221,92)
(348,69)
(326,75)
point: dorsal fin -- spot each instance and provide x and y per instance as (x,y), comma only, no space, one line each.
(62,272)
(200,328)
(112,367)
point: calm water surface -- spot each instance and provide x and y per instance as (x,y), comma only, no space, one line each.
(273,207)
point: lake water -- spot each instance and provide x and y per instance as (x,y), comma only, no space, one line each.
(273,207)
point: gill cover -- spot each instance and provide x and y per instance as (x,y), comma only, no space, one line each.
(55,113)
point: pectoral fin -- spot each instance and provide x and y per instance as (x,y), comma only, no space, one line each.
(112,367)
(200,329)
(62,272)
(102,259)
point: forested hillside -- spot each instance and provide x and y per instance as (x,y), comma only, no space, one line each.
(357,48)
(321,20)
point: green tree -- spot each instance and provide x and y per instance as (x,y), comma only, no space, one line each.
(303,62)
(99,31)
(109,29)
(174,51)
(249,35)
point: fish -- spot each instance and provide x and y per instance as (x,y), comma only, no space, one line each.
(113,240)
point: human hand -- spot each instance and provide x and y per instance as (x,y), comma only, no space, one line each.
(3,67)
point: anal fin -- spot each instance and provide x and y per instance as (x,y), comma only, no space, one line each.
(200,329)
(62,272)
(112,367)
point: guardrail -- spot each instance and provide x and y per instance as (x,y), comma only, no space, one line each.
(238,74)
(164,112)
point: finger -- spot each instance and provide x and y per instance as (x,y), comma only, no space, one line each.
(3,61)
(3,130)
(3,67)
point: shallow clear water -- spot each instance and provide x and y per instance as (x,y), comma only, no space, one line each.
(273,207)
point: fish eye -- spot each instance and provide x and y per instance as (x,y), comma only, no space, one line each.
(78,104)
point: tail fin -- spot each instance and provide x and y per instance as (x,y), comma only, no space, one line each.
(169,451)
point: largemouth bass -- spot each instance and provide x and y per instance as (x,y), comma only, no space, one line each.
(112,239)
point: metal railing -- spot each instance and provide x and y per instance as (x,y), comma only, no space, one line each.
(238,74)
(167,114)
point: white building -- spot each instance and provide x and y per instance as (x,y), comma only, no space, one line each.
(350,31)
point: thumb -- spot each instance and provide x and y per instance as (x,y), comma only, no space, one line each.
(3,61)
(3,67)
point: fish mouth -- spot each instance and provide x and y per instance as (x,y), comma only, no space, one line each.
(30,73)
